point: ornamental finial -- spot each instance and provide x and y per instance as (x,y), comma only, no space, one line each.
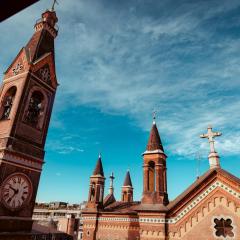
(111,189)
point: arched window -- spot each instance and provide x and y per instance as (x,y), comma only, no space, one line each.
(124,196)
(101,194)
(35,108)
(151,176)
(92,193)
(7,103)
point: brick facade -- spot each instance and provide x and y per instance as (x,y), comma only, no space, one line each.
(214,197)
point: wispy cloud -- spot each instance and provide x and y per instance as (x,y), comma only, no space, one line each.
(63,146)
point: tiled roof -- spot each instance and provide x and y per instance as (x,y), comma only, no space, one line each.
(154,142)
(121,207)
(99,168)
(108,200)
(127,181)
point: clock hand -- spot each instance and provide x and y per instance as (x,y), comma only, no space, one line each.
(15,190)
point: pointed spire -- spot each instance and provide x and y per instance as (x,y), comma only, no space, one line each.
(154,142)
(99,168)
(127,181)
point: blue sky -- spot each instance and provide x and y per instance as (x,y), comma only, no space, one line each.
(116,62)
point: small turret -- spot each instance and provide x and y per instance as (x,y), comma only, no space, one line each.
(96,189)
(127,189)
(154,170)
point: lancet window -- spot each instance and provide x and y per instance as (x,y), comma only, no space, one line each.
(151,176)
(7,103)
(92,192)
(35,109)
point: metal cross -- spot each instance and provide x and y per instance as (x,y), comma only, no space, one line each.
(111,179)
(54,2)
(154,116)
(211,135)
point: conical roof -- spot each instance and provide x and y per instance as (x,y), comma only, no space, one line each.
(99,168)
(154,142)
(127,181)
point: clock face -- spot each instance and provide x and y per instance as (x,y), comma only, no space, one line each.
(16,191)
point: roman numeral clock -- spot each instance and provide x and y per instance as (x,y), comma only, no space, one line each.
(26,100)
(16,191)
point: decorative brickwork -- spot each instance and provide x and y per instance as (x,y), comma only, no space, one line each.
(208,209)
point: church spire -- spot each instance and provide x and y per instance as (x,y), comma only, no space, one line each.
(99,168)
(154,141)
(96,188)
(127,189)
(154,170)
(127,181)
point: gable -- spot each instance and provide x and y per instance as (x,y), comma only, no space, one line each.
(204,184)
(201,224)
(18,65)
(44,69)
(220,192)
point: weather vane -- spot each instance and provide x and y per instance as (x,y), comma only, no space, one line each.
(54,2)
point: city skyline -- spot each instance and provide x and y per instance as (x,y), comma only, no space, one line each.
(113,75)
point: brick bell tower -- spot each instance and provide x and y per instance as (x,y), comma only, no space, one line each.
(154,170)
(96,189)
(26,101)
(127,189)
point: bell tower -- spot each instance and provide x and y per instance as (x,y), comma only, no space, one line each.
(127,189)
(154,170)
(96,189)
(26,101)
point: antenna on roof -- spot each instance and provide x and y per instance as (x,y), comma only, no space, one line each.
(198,158)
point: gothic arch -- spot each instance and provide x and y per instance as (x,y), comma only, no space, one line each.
(151,176)
(7,102)
(36,107)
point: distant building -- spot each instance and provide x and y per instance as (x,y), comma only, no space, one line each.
(58,204)
(208,209)
(60,216)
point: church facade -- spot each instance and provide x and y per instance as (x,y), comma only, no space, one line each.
(208,209)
